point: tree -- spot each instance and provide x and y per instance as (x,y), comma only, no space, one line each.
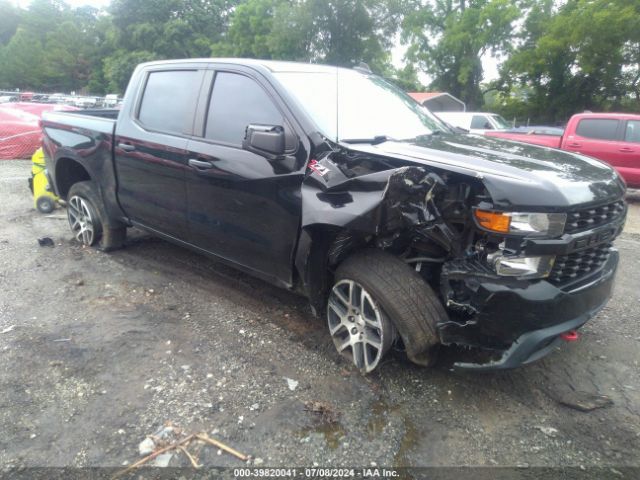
(43,16)
(448,39)
(10,16)
(119,66)
(67,64)
(250,30)
(145,30)
(406,78)
(585,55)
(339,32)
(21,62)
(105,38)
(169,28)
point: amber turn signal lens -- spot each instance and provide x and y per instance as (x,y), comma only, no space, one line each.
(494,221)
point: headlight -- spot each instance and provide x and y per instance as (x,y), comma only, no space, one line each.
(525,267)
(526,224)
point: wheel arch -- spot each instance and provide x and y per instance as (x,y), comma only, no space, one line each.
(321,248)
(68,172)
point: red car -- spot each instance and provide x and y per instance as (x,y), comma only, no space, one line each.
(611,137)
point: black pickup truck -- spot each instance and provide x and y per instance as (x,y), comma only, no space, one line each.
(334,183)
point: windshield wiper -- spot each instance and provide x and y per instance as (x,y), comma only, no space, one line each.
(424,136)
(373,141)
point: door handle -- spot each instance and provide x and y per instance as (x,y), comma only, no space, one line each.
(625,149)
(574,145)
(127,147)
(199,164)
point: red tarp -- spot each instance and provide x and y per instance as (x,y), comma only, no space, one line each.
(20,134)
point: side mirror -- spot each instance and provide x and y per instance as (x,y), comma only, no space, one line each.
(265,140)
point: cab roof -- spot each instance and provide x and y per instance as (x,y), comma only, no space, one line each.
(275,66)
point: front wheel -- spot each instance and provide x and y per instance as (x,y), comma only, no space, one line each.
(374,296)
(360,330)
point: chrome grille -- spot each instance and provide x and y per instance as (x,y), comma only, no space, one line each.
(579,264)
(589,218)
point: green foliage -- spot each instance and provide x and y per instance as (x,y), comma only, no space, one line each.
(67,63)
(10,16)
(43,16)
(169,28)
(52,48)
(339,32)
(406,78)
(250,30)
(586,55)
(119,67)
(559,56)
(447,39)
(22,61)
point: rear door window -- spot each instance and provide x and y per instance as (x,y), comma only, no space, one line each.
(168,101)
(598,128)
(238,101)
(632,131)
(481,123)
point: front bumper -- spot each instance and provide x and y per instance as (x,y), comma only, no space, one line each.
(520,321)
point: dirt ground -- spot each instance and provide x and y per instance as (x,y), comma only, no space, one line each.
(98,350)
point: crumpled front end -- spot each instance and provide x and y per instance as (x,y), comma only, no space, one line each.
(517,322)
(508,295)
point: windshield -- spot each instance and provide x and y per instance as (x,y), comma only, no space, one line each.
(501,122)
(348,105)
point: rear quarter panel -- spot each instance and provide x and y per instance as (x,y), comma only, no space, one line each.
(87,140)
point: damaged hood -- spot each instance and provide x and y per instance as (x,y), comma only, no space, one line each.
(517,175)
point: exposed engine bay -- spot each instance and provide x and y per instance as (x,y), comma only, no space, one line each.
(433,220)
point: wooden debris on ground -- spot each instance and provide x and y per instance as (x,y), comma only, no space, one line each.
(181,445)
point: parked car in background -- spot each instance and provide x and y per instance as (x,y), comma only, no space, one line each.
(111,100)
(57,98)
(537,130)
(475,122)
(610,137)
(85,102)
(9,98)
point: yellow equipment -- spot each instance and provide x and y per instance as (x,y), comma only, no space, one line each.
(44,199)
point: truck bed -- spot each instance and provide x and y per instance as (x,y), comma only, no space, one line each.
(553,141)
(98,120)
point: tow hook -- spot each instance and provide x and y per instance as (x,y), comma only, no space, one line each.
(570,336)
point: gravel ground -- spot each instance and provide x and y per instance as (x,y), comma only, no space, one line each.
(99,350)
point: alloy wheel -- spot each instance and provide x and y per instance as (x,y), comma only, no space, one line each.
(80,220)
(357,325)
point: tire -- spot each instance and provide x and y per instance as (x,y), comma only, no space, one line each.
(45,204)
(407,302)
(89,221)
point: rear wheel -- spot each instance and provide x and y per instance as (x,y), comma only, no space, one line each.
(374,296)
(88,220)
